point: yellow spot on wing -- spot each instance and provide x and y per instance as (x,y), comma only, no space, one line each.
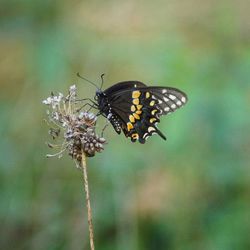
(136,101)
(136,94)
(147,94)
(138,112)
(129,126)
(131,118)
(133,108)
(152,103)
(135,136)
(136,116)
(150,129)
(139,107)
(153,111)
(152,120)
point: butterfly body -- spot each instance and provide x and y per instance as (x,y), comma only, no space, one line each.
(135,109)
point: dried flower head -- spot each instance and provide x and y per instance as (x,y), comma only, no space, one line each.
(77,127)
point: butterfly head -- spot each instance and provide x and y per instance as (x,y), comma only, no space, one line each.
(101,99)
(99,95)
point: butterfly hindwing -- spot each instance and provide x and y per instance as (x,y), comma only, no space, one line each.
(146,124)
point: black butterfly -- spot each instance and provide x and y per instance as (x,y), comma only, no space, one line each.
(135,109)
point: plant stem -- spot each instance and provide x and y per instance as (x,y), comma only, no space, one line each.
(86,187)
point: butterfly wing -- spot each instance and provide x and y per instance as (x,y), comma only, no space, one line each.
(168,99)
(136,108)
(123,86)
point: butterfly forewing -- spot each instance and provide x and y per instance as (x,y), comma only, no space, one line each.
(119,87)
(168,99)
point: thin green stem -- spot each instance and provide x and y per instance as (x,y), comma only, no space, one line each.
(86,188)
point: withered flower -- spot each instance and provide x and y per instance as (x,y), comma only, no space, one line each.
(74,126)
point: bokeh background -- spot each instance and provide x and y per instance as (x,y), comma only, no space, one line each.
(189,192)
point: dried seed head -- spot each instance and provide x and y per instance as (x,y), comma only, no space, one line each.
(76,126)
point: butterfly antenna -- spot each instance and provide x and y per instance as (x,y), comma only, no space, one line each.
(78,74)
(102,76)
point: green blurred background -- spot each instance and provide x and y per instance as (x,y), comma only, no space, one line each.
(189,192)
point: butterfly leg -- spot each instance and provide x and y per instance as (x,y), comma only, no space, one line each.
(94,104)
(87,104)
(86,99)
(105,126)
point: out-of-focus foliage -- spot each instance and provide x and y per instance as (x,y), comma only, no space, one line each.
(189,192)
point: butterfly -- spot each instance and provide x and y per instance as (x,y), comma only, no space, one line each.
(135,109)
